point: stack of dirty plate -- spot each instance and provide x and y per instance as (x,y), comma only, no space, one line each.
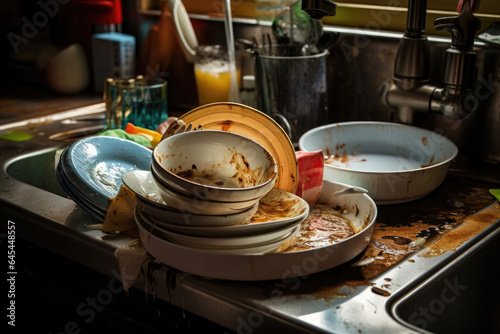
(267,226)
(214,190)
(90,170)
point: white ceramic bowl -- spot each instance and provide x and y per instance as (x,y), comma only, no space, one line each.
(396,163)
(149,200)
(215,165)
(200,206)
(169,216)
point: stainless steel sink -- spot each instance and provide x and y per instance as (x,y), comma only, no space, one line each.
(37,169)
(461,297)
(443,293)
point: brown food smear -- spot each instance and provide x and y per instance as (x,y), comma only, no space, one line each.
(273,210)
(322,227)
(244,176)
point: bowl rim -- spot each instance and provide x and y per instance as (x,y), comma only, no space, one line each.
(224,189)
(164,187)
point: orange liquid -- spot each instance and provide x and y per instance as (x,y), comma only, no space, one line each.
(213,84)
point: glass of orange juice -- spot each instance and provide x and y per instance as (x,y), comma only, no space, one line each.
(212,75)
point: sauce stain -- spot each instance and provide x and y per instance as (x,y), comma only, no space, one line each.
(226,125)
(471,226)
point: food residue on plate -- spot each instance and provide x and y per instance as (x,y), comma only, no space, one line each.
(243,177)
(277,205)
(340,158)
(324,226)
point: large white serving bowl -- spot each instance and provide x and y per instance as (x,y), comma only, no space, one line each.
(230,265)
(396,163)
(215,165)
(148,199)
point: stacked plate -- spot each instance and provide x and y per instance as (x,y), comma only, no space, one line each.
(261,229)
(90,170)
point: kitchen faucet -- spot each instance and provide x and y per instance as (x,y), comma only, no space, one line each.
(410,90)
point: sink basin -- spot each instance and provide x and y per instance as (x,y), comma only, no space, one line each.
(422,293)
(38,170)
(462,297)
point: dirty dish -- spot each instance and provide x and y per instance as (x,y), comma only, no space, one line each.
(168,216)
(396,163)
(264,219)
(148,198)
(272,265)
(214,165)
(65,184)
(222,243)
(95,166)
(196,205)
(151,234)
(253,124)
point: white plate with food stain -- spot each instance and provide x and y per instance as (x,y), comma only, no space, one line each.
(275,210)
(396,163)
(278,209)
(147,193)
(244,243)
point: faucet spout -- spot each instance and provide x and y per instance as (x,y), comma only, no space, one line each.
(410,92)
(411,66)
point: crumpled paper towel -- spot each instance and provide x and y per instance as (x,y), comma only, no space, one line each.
(131,257)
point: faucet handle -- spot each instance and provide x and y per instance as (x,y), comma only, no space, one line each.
(463,27)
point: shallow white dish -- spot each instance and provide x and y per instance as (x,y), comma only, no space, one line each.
(396,163)
(149,233)
(296,212)
(221,243)
(198,205)
(269,266)
(148,199)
